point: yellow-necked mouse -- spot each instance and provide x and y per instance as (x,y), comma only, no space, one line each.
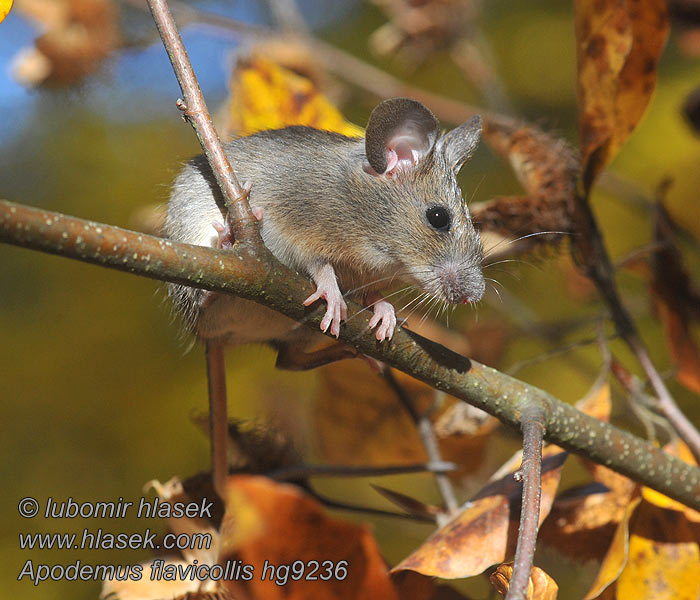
(351,213)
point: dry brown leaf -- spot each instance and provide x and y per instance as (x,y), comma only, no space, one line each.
(583,521)
(463,432)
(664,557)
(485,530)
(359,420)
(540,586)
(409,504)
(173,491)
(469,544)
(146,589)
(277,524)
(619,43)
(548,170)
(676,302)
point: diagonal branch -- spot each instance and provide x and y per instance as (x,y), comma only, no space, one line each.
(195,111)
(268,282)
(590,252)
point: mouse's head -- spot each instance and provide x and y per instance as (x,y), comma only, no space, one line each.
(415,172)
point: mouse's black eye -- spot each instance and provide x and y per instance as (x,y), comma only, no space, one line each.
(438,217)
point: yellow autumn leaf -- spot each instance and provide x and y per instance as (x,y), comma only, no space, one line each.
(663,557)
(616,557)
(267,96)
(5,7)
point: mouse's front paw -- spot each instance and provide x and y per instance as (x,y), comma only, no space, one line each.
(337,310)
(385,316)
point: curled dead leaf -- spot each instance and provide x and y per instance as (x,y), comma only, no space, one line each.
(676,301)
(359,420)
(618,48)
(485,529)
(583,521)
(548,170)
(539,587)
(272,525)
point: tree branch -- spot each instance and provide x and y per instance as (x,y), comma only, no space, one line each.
(195,111)
(531,475)
(266,281)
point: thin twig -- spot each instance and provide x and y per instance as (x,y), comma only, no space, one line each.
(297,472)
(365,510)
(555,352)
(427,436)
(218,418)
(641,404)
(270,283)
(533,419)
(590,252)
(288,16)
(195,110)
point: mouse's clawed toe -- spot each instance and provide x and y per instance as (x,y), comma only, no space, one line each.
(385,317)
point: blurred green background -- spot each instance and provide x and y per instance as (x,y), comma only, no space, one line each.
(97,384)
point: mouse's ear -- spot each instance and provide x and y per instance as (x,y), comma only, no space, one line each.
(399,133)
(460,143)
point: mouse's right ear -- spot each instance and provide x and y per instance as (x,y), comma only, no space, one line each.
(459,144)
(399,133)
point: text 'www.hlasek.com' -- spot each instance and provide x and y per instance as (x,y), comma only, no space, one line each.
(170,544)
